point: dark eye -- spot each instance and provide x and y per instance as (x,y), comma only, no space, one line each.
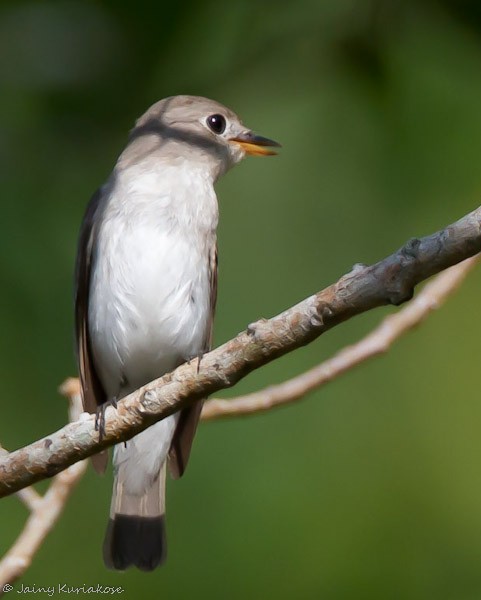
(216,123)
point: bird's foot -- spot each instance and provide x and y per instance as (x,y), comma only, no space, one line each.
(197,356)
(100,416)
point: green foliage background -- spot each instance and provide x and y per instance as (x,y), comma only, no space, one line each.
(370,488)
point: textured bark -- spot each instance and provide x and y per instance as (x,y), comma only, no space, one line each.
(377,342)
(390,281)
(45,510)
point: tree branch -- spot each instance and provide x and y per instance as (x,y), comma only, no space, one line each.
(44,510)
(375,343)
(390,281)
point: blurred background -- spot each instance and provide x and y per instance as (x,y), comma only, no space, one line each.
(370,488)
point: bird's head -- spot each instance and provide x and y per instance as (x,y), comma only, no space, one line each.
(202,131)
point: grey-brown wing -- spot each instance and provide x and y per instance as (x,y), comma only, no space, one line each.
(189,417)
(93,394)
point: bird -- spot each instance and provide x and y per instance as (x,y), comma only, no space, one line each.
(145,296)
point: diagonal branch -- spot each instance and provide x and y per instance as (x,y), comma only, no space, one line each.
(44,510)
(375,343)
(390,281)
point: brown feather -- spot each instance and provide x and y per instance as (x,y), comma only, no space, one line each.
(189,417)
(93,394)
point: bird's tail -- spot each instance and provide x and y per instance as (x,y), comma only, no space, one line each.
(136,531)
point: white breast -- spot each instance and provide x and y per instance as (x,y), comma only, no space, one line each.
(150,290)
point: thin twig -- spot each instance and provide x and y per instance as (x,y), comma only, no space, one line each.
(433,295)
(377,342)
(30,497)
(390,281)
(44,510)
(47,509)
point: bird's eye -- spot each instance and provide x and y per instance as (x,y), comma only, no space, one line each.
(216,123)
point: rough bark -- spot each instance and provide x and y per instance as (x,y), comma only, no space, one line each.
(390,281)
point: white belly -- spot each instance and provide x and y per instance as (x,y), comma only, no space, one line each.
(149,301)
(150,297)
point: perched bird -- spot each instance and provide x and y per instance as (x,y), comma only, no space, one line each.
(146,279)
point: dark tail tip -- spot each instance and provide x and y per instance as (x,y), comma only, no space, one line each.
(135,541)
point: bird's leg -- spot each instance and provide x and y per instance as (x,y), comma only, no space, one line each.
(100,416)
(198,356)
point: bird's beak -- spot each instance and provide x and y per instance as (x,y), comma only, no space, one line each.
(254,144)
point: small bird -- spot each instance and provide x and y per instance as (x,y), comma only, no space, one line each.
(146,285)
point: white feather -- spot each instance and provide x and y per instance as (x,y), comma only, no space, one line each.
(150,290)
